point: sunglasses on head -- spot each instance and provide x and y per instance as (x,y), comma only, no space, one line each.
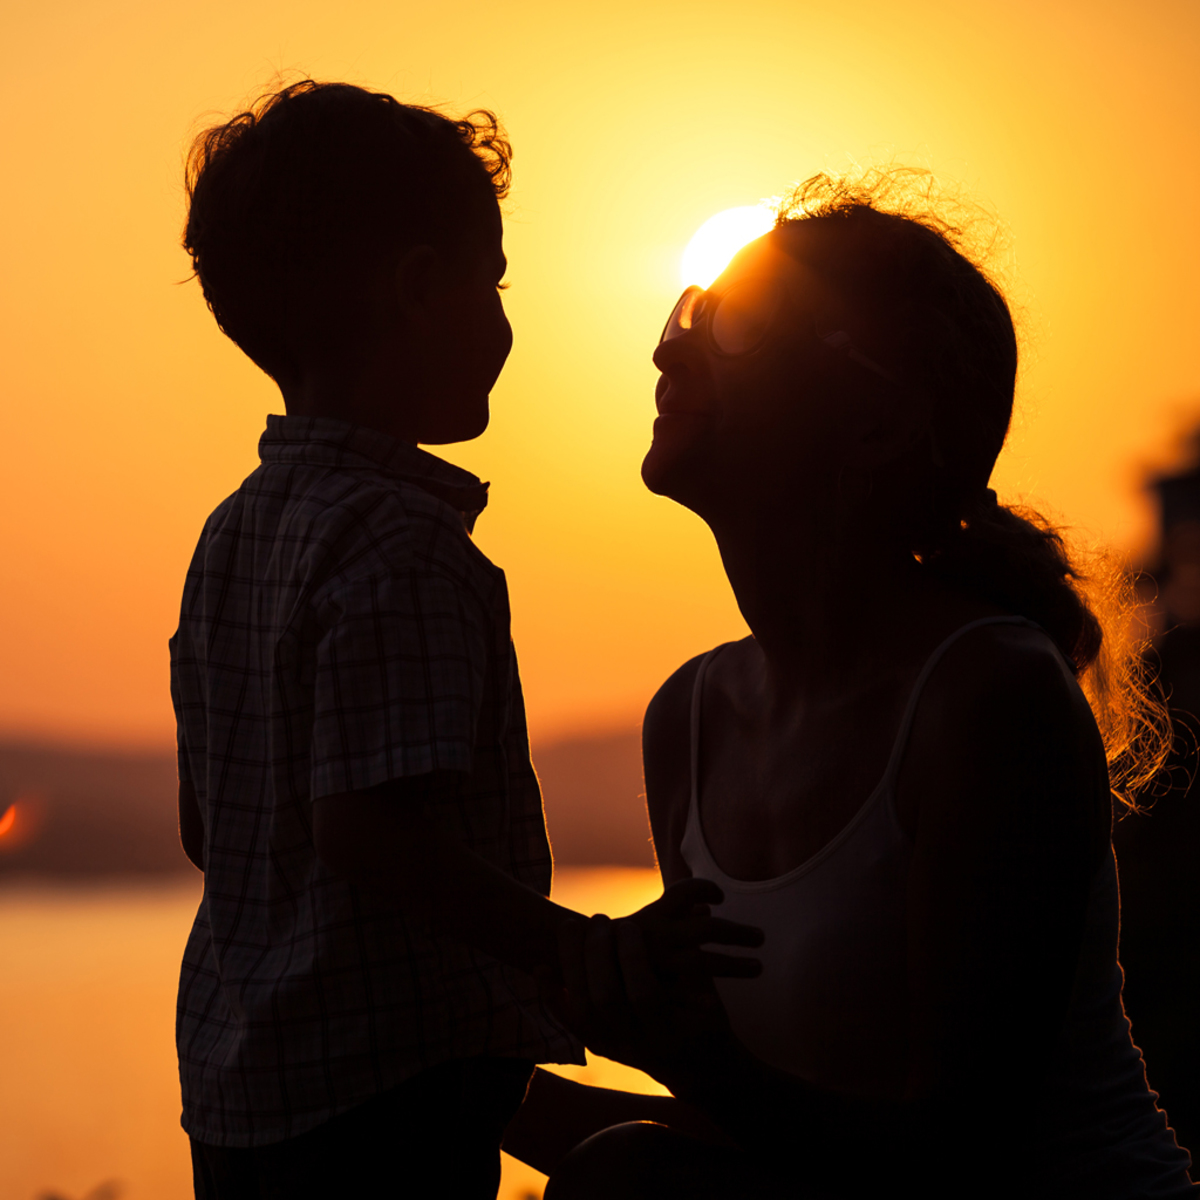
(736,321)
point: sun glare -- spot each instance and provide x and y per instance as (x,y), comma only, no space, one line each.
(719,239)
(8,820)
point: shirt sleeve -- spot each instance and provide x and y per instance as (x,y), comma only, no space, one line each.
(399,681)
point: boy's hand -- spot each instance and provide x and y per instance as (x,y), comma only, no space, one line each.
(624,1007)
(639,990)
(676,925)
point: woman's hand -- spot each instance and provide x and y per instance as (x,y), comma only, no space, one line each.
(639,990)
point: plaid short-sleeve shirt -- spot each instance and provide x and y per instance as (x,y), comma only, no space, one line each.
(340,629)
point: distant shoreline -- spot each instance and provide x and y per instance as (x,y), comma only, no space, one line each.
(90,814)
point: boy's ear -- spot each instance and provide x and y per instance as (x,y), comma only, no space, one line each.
(417,275)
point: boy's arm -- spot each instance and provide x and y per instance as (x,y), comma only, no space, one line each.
(383,838)
(558,1114)
(191,824)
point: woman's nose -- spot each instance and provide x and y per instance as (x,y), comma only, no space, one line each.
(674,350)
(675,365)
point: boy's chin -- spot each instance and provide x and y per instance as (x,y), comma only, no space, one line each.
(463,425)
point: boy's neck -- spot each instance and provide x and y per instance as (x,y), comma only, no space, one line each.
(360,397)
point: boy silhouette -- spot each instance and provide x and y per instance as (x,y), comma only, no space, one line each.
(357,1009)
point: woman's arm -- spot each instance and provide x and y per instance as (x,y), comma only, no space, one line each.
(1007,778)
(558,1114)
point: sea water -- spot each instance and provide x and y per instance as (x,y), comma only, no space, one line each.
(89,1090)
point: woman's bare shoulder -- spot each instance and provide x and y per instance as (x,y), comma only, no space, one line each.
(666,730)
(1012,674)
(1003,730)
(666,763)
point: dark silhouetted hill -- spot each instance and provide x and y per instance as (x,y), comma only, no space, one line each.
(88,813)
(83,812)
(595,800)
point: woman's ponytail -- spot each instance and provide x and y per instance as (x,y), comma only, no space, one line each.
(1017,560)
(1014,558)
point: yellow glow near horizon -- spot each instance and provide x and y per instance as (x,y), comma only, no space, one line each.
(719,239)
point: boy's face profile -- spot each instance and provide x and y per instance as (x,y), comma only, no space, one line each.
(431,340)
(458,328)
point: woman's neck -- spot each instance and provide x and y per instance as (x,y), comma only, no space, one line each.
(825,611)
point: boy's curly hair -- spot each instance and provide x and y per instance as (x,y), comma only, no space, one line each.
(297,203)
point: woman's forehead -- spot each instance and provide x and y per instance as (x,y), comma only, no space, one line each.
(765,259)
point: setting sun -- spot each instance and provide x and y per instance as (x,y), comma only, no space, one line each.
(719,239)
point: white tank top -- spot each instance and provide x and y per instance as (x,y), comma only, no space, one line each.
(830,1003)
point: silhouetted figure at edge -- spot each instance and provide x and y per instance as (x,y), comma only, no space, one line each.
(1158,849)
(898,777)
(358,1014)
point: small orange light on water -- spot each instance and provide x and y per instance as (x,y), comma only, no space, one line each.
(20,822)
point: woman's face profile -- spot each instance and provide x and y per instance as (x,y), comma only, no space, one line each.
(726,421)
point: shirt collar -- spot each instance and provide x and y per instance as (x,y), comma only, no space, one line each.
(323,441)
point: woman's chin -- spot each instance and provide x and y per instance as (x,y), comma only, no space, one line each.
(674,452)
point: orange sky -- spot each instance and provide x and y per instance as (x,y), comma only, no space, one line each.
(127,416)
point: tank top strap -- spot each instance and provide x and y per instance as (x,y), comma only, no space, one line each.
(906,721)
(910,710)
(694,734)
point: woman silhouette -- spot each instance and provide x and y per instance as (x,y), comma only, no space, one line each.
(898,777)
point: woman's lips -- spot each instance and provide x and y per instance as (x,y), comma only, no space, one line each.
(678,420)
(675,407)
(669,404)
(667,399)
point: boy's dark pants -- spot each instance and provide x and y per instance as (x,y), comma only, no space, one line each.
(437,1134)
